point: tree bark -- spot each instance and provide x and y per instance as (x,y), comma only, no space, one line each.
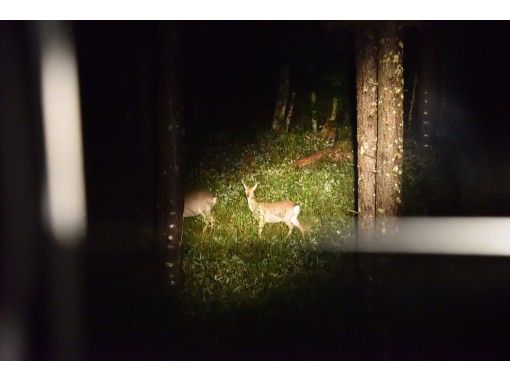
(334,109)
(170,144)
(313,107)
(291,111)
(281,102)
(366,86)
(390,123)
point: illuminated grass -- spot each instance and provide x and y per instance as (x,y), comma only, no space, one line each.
(231,266)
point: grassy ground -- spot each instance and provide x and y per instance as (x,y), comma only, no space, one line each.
(230,266)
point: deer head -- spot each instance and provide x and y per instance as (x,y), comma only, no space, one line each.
(249,191)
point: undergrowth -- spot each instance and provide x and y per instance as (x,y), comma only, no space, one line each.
(230,266)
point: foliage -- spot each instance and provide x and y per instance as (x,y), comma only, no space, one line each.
(231,267)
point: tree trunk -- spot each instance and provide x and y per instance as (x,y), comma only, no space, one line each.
(291,111)
(366,86)
(281,102)
(428,97)
(390,122)
(412,102)
(170,194)
(334,108)
(313,107)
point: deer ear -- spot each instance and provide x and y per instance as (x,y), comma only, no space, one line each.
(254,187)
(245,187)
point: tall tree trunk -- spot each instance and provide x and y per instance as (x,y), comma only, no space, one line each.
(429,90)
(334,109)
(170,192)
(291,111)
(412,102)
(390,122)
(366,86)
(281,102)
(313,107)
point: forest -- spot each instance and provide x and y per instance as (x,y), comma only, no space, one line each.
(238,175)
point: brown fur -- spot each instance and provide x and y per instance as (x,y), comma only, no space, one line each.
(200,203)
(273,212)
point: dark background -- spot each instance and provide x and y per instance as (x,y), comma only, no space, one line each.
(230,75)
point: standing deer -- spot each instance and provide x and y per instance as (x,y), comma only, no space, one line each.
(200,203)
(274,212)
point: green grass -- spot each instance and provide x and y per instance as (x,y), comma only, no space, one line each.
(230,266)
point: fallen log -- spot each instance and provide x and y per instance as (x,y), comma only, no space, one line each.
(336,153)
(309,160)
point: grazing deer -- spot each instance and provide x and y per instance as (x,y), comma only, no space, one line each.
(275,212)
(200,203)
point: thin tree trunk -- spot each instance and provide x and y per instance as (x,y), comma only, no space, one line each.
(281,102)
(429,90)
(366,86)
(313,107)
(390,123)
(291,111)
(411,105)
(170,194)
(334,108)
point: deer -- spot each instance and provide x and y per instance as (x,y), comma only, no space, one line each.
(274,212)
(200,203)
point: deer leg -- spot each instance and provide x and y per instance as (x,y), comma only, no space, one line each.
(261,226)
(211,222)
(206,221)
(291,227)
(296,223)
